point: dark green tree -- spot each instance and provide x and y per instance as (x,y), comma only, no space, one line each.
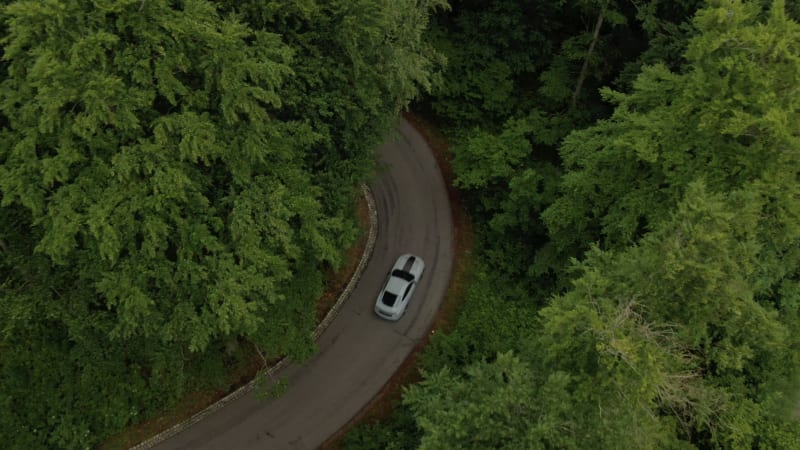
(172,182)
(558,54)
(677,326)
(356,65)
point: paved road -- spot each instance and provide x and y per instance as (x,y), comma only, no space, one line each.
(358,352)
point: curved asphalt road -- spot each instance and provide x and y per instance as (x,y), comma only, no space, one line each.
(359,352)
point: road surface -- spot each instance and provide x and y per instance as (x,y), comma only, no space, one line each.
(358,352)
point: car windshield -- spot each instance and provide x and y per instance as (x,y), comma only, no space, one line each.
(389,299)
(402,274)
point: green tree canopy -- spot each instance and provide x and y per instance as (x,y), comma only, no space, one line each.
(729,120)
(662,345)
(174,178)
(673,234)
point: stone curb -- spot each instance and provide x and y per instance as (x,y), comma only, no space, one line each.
(370,246)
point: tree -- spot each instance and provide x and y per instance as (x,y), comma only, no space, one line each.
(491,49)
(676,325)
(510,179)
(493,406)
(710,354)
(356,65)
(509,163)
(724,120)
(167,189)
(661,345)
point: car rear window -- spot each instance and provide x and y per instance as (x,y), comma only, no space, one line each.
(389,299)
(402,274)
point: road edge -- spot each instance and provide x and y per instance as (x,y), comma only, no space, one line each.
(326,321)
(462,242)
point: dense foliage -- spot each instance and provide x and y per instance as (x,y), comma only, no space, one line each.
(638,283)
(174,178)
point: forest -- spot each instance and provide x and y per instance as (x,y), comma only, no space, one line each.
(177,176)
(631,171)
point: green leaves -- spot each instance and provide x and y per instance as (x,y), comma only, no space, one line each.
(669,250)
(672,130)
(487,409)
(177,175)
(705,265)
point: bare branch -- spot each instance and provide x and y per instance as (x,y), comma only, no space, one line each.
(585,68)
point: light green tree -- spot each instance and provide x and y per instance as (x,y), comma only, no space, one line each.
(493,405)
(661,345)
(726,119)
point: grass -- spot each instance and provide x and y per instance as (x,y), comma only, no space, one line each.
(382,405)
(243,373)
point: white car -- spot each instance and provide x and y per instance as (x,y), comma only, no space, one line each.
(400,284)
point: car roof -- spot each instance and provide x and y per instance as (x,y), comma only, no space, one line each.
(396,285)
